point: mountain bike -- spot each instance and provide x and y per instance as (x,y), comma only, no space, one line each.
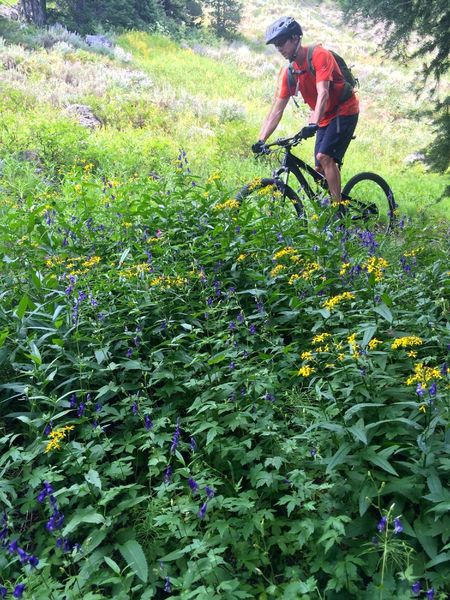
(367,197)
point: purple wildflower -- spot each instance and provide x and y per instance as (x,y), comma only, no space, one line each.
(129,352)
(382,524)
(167,586)
(202,511)
(148,423)
(33,560)
(433,389)
(416,587)
(167,474)
(232,326)
(176,438)
(252,329)
(240,318)
(193,444)
(18,590)
(210,493)
(135,408)
(73,401)
(398,527)
(313,452)
(193,485)
(47,491)
(430,594)
(48,428)
(3,592)
(81,409)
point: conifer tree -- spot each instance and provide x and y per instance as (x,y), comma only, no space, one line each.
(416,29)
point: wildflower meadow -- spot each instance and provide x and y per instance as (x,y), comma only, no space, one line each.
(207,401)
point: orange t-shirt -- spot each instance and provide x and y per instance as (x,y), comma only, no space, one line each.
(326,69)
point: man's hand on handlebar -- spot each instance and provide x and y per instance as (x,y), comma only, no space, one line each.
(308,131)
(259,147)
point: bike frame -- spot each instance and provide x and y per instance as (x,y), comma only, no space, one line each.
(293,164)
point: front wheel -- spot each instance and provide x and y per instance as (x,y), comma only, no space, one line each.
(371,201)
(266,192)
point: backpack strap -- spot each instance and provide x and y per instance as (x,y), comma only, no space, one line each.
(309,55)
(348,88)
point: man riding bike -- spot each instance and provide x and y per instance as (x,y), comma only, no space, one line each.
(334,111)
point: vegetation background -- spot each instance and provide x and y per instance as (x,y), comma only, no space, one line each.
(198,402)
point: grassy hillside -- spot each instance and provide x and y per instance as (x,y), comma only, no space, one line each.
(200,400)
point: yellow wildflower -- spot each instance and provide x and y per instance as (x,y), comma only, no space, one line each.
(423,408)
(374,343)
(276,270)
(309,269)
(305,371)
(241,257)
(334,300)
(406,341)
(94,260)
(227,205)
(341,356)
(344,268)
(57,436)
(413,252)
(376,265)
(337,203)
(352,343)
(412,354)
(321,349)
(307,355)
(319,338)
(423,375)
(293,278)
(284,252)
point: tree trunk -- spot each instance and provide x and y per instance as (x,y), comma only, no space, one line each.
(35,11)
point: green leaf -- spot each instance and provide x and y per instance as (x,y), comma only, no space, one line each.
(437,560)
(93,478)
(83,515)
(22,307)
(359,431)
(339,457)
(384,312)
(112,563)
(379,461)
(135,557)
(368,335)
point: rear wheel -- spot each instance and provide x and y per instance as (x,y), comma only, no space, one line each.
(266,193)
(371,201)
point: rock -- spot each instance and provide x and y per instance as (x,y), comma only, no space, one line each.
(29,156)
(84,115)
(10,12)
(98,40)
(414,158)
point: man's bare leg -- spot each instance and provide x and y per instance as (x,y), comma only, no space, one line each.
(332,175)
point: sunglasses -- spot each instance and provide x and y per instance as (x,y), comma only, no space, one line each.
(280,43)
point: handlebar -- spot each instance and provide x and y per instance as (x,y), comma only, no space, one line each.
(281,143)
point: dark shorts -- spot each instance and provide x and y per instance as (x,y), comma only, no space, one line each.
(333,140)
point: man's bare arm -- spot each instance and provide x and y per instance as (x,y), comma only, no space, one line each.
(323,93)
(273,118)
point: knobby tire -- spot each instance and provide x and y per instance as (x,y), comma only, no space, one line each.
(371,200)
